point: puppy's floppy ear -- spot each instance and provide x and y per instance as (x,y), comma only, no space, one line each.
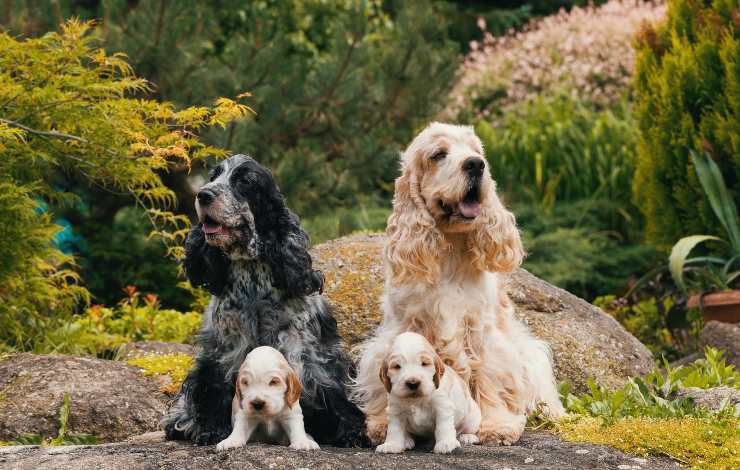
(238,393)
(414,242)
(383,374)
(439,370)
(286,251)
(205,265)
(495,245)
(294,388)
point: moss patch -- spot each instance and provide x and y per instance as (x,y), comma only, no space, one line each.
(170,369)
(702,443)
(354,283)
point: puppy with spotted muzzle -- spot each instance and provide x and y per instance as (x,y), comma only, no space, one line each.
(426,398)
(265,407)
(249,251)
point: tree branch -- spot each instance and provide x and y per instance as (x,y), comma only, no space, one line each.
(49,134)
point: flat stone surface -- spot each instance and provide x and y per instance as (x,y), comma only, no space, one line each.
(536,450)
(586,342)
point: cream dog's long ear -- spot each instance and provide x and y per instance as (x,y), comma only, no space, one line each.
(414,242)
(496,245)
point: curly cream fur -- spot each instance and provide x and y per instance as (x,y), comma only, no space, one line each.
(443,281)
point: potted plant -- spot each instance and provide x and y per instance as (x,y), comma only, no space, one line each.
(713,279)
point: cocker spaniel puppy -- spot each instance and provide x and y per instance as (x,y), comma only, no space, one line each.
(250,252)
(265,407)
(426,398)
(450,238)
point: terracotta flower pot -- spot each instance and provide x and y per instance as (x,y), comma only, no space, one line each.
(719,306)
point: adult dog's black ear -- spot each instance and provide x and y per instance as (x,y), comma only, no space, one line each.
(286,251)
(205,265)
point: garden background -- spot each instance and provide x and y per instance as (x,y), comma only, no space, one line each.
(111,111)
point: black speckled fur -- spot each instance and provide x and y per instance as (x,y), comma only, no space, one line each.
(272,299)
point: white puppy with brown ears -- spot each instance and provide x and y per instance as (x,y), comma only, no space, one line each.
(425,398)
(266,407)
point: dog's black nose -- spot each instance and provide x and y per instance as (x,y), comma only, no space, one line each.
(412,384)
(474,166)
(258,404)
(205,196)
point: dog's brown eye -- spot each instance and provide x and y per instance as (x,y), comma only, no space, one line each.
(396,366)
(425,363)
(275,381)
(438,156)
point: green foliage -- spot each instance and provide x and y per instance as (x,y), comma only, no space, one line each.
(69,110)
(120,254)
(32,282)
(63,438)
(100,330)
(581,246)
(709,273)
(687,98)
(173,366)
(567,169)
(655,395)
(558,149)
(657,322)
(342,222)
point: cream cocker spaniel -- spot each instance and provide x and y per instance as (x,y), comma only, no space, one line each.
(425,398)
(449,240)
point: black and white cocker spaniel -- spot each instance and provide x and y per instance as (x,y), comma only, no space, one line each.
(250,252)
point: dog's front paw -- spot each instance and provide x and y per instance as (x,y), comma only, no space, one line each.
(503,432)
(446,446)
(229,443)
(408,443)
(391,448)
(304,444)
(468,439)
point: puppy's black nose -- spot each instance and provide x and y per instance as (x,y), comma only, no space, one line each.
(412,384)
(474,166)
(205,196)
(258,404)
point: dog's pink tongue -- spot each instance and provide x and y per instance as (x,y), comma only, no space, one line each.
(470,209)
(209,228)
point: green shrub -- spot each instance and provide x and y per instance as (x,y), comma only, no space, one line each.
(585,246)
(101,331)
(343,222)
(70,110)
(555,149)
(656,394)
(651,320)
(687,98)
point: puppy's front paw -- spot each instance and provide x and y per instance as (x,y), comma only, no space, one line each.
(446,446)
(408,443)
(391,448)
(304,444)
(468,439)
(229,443)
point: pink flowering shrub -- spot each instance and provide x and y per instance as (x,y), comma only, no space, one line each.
(587,52)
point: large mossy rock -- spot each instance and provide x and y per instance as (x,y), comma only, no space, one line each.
(586,342)
(536,450)
(108,399)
